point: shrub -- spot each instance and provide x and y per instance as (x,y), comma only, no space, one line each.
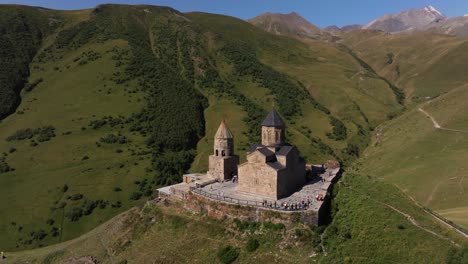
(246,226)
(30,86)
(42,134)
(75,214)
(4,167)
(117,189)
(12,150)
(273,226)
(228,254)
(50,221)
(65,188)
(76,197)
(339,131)
(38,235)
(89,206)
(252,244)
(112,139)
(135,196)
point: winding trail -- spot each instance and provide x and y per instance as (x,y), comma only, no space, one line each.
(437,125)
(407,216)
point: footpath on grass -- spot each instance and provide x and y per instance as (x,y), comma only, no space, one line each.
(437,125)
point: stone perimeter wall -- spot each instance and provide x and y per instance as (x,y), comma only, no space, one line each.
(222,210)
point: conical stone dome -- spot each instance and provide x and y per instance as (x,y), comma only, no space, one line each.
(223,132)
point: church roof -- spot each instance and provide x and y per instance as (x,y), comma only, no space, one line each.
(223,131)
(266,152)
(284,150)
(275,165)
(273,119)
(254,147)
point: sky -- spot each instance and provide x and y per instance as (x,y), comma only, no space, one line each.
(319,12)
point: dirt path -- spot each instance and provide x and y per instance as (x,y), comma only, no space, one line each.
(437,125)
(455,228)
(407,216)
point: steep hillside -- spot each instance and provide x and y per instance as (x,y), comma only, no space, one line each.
(425,65)
(21,32)
(427,162)
(370,225)
(457,26)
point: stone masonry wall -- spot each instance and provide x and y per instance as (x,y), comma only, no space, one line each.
(221,210)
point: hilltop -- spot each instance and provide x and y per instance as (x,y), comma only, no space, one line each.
(292,25)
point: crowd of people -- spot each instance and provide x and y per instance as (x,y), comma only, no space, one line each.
(292,206)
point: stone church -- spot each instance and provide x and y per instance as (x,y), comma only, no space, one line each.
(273,170)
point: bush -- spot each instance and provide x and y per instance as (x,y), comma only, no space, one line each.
(42,134)
(117,189)
(50,221)
(30,86)
(38,235)
(75,214)
(112,139)
(246,226)
(76,197)
(252,244)
(228,254)
(339,131)
(273,226)
(4,167)
(135,196)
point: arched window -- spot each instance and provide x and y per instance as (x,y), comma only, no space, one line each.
(223,153)
(217,153)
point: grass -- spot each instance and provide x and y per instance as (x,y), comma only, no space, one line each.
(69,99)
(336,80)
(364,230)
(175,237)
(427,163)
(424,64)
(218,110)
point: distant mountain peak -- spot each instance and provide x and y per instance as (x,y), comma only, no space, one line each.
(412,19)
(432,9)
(291,24)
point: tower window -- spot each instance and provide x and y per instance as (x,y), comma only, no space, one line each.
(217,153)
(223,153)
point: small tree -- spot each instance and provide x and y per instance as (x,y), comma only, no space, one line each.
(252,244)
(228,254)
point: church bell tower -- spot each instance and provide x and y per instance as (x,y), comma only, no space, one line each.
(223,163)
(273,130)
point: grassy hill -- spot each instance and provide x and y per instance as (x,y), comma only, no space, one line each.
(427,163)
(365,229)
(422,64)
(423,161)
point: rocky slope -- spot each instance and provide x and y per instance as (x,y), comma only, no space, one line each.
(292,25)
(413,19)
